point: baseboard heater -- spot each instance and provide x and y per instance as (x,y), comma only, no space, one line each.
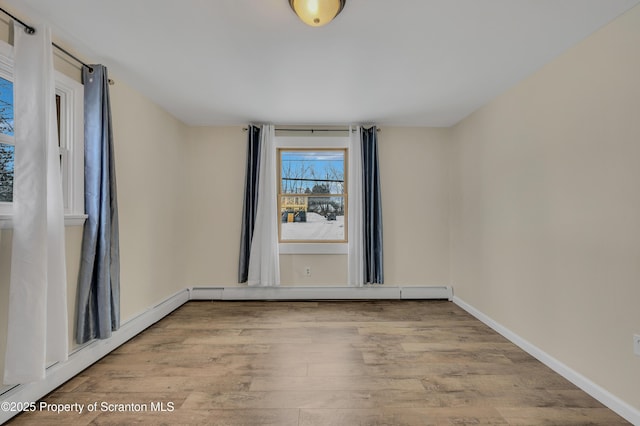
(321,293)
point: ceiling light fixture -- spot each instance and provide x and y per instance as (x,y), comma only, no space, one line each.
(317,12)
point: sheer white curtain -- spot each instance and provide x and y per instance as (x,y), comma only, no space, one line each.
(37,330)
(356,242)
(264,258)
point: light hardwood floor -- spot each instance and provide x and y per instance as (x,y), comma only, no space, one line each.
(322,363)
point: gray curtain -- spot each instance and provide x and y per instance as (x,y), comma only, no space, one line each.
(98,305)
(372,208)
(250,204)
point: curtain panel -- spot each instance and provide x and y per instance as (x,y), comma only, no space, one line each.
(37,320)
(98,305)
(264,259)
(372,208)
(250,204)
(356,242)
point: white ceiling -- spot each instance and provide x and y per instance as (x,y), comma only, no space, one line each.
(410,62)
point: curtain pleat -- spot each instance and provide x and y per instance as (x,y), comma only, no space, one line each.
(264,259)
(37,320)
(372,208)
(98,304)
(250,204)
(354,191)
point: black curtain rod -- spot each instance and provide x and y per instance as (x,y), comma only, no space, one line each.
(31,30)
(27,28)
(308,130)
(311,130)
(72,56)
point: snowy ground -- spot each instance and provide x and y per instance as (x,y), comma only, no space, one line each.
(315,228)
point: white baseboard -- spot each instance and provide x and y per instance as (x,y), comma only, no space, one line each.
(83,357)
(623,409)
(320,293)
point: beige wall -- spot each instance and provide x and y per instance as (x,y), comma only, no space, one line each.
(213,207)
(415,210)
(415,203)
(150,167)
(546,208)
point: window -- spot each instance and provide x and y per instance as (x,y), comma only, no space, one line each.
(312,196)
(69,108)
(6,140)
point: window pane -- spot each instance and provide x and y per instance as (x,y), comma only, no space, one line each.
(312,207)
(6,173)
(312,218)
(305,172)
(6,107)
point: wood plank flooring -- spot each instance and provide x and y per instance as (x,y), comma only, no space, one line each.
(321,363)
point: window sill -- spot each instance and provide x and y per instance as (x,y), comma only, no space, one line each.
(314,248)
(6,221)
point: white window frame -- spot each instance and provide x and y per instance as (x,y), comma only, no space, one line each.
(71,95)
(71,143)
(320,142)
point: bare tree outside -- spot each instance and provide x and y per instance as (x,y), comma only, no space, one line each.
(6,149)
(294,174)
(313,201)
(336,177)
(6,173)
(6,107)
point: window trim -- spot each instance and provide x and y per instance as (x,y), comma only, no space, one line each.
(71,93)
(72,140)
(292,142)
